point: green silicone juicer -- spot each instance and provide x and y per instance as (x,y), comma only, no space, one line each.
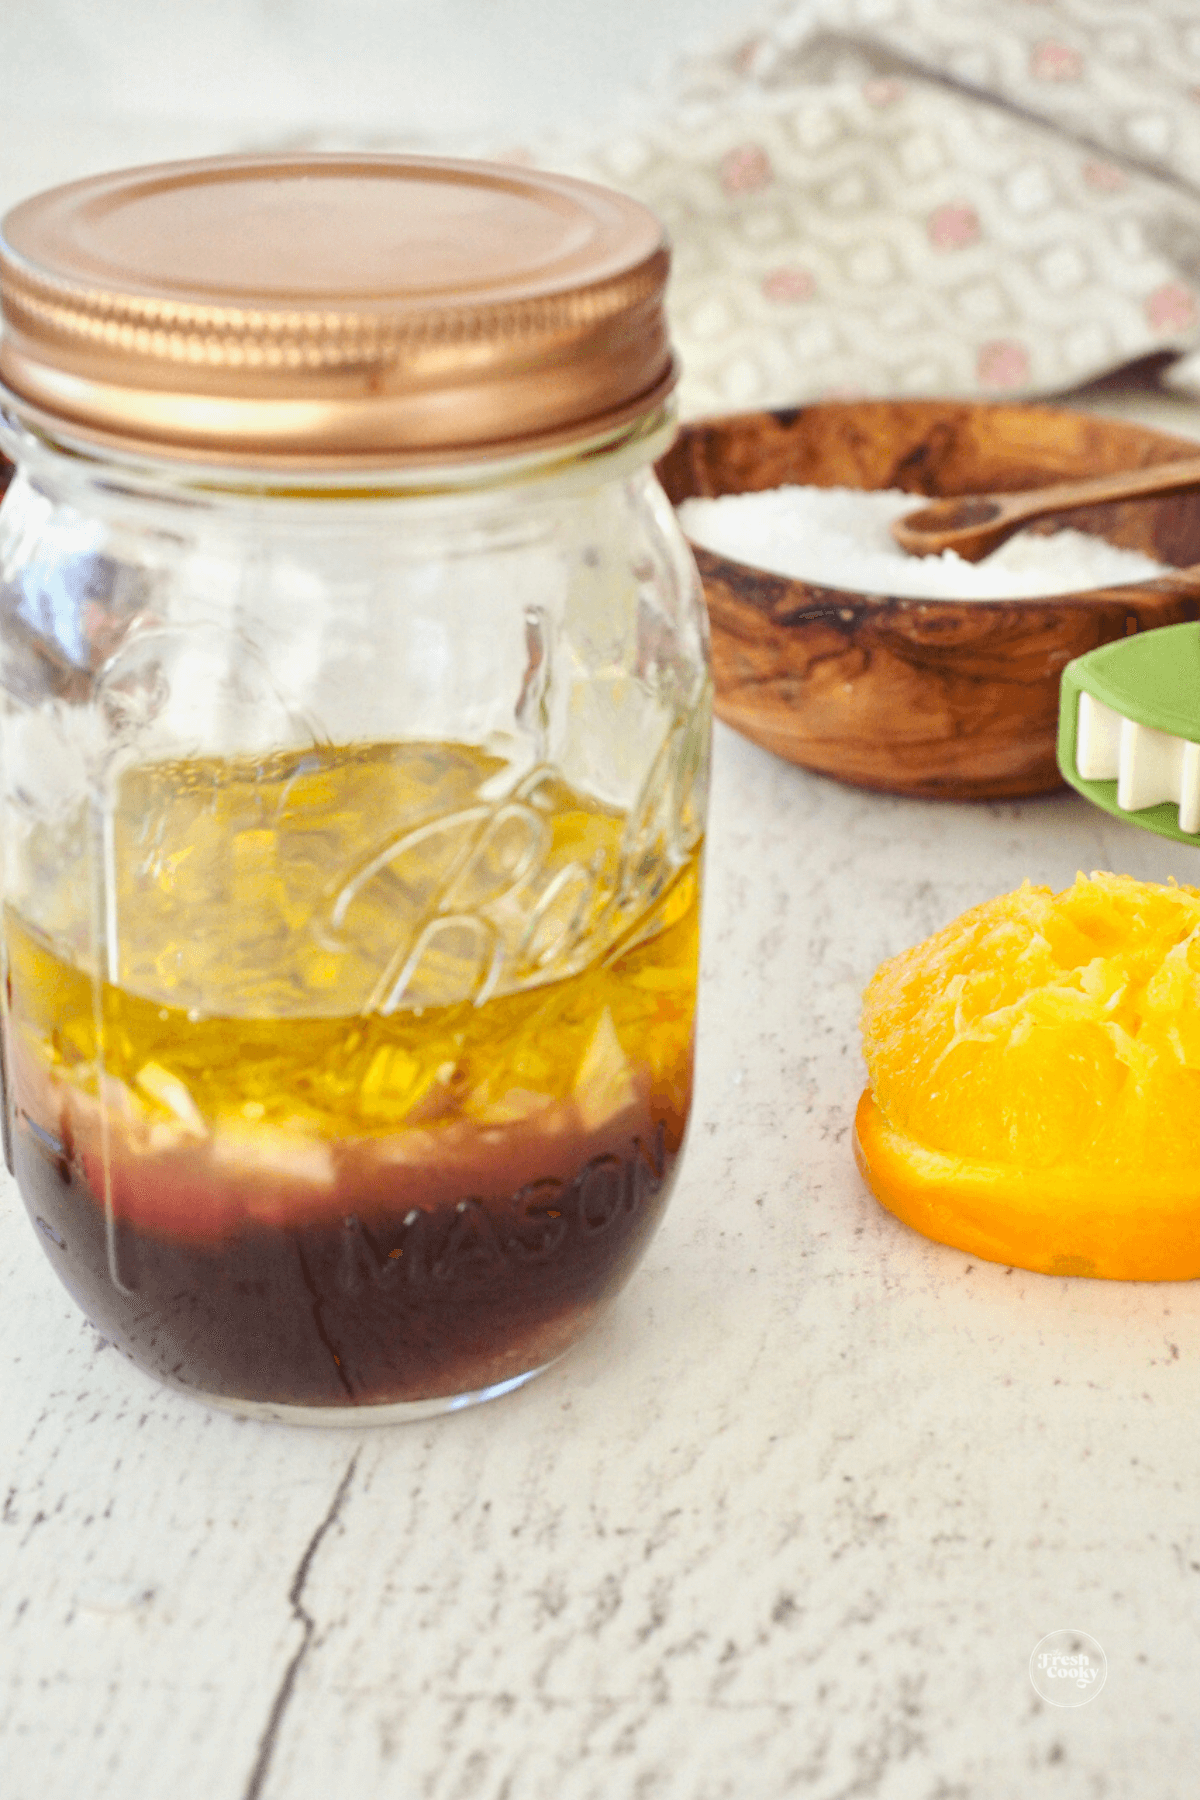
(1129,729)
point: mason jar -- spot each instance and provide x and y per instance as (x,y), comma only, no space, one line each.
(355,720)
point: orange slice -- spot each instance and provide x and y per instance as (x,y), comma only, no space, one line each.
(1035,1081)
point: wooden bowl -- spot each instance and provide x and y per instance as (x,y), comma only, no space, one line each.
(955,699)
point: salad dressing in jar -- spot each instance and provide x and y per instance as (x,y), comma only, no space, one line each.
(355,719)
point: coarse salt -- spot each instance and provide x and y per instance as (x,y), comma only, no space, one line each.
(840,538)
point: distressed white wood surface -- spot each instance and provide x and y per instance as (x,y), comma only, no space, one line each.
(789,1524)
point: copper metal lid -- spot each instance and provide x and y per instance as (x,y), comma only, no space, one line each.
(329,311)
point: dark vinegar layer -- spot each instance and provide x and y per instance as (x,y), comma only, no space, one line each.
(434,1303)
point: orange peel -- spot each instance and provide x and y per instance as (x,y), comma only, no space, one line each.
(1035,1082)
(1055,1221)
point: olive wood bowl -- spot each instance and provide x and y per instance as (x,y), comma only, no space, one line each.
(953,699)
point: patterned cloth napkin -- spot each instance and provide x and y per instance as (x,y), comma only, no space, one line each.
(976,197)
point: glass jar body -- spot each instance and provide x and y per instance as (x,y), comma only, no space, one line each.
(352,848)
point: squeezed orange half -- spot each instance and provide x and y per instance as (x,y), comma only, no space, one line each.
(1034,1071)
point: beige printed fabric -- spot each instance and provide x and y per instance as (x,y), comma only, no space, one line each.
(976,197)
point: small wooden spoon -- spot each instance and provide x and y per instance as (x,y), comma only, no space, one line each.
(976,524)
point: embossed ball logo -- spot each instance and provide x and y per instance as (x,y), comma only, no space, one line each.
(1068,1668)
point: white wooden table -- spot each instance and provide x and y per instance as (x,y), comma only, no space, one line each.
(790,1523)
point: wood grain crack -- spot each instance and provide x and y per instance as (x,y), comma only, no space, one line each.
(308,1626)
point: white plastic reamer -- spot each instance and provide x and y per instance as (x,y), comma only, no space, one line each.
(1148,766)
